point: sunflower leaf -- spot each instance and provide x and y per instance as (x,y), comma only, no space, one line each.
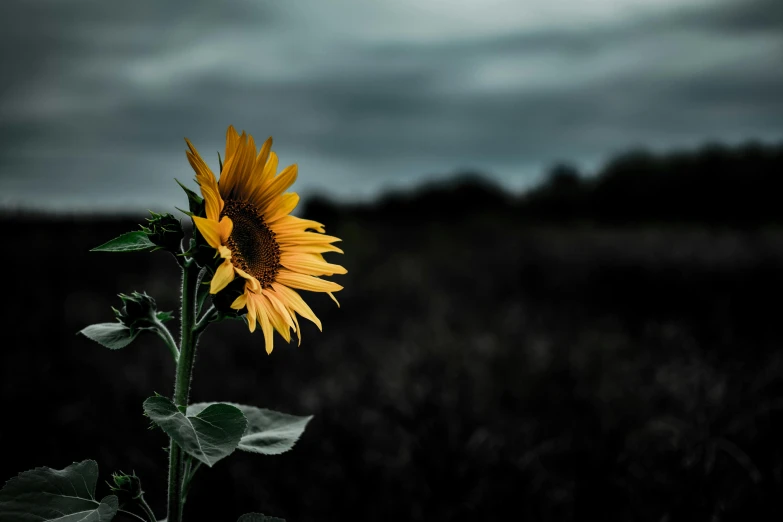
(268,432)
(258,517)
(111,335)
(209,436)
(136,241)
(45,494)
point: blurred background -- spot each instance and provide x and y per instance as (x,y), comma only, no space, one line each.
(561,224)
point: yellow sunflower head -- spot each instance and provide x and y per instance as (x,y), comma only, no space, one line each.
(248,223)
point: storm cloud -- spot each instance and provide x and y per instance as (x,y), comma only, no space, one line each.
(96,96)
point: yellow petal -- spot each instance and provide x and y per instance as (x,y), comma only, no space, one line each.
(297,330)
(295,301)
(277,321)
(280,307)
(306,282)
(244,170)
(278,185)
(233,159)
(240,302)
(334,299)
(251,311)
(226,227)
(207,182)
(312,249)
(266,325)
(296,224)
(232,138)
(251,282)
(223,276)
(258,166)
(210,229)
(280,207)
(309,264)
(260,185)
(303,238)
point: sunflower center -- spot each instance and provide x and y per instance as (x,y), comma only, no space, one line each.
(252,243)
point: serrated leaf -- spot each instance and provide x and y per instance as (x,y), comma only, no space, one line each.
(268,432)
(164,316)
(258,517)
(136,241)
(209,436)
(110,335)
(50,495)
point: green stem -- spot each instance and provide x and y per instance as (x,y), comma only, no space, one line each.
(187,354)
(165,334)
(134,515)
(147,510)
(202,323)
(191,472)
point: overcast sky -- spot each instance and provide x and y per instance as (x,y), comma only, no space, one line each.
(97,95)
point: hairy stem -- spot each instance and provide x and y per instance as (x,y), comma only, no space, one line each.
(187,352)
(165,334)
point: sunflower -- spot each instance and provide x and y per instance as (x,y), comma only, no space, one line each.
(248,223)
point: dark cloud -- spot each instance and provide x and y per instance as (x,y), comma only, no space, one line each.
(95,99)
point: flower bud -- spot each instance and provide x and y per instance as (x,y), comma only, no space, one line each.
(165,231)
(138,311)
(126,487)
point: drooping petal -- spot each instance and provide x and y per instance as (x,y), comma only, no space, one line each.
(296,329)
(251,309)
(223,276)
(295,301)
(240,302)
(277,321)
(250,282)
(266,325)
(285,314)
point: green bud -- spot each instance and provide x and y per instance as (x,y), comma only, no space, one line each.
(126,487)
(165,231)
(139,311)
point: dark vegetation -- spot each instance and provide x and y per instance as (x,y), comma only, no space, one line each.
(601,349)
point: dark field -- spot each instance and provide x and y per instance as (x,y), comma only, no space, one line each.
(478,370)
